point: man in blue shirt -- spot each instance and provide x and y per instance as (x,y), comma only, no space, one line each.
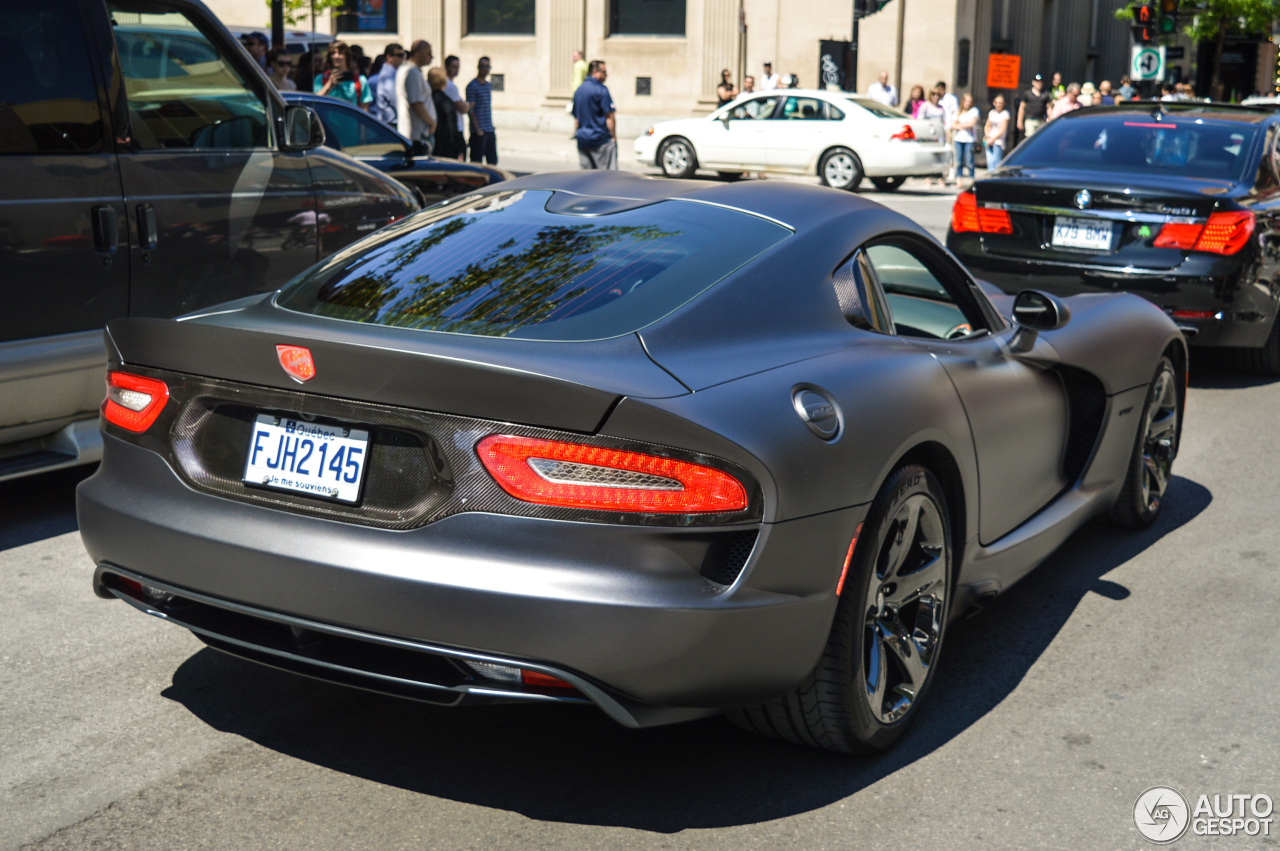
(597,129)
(484,144)
(384,85)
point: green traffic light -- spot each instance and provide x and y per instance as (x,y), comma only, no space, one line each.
(1168,24)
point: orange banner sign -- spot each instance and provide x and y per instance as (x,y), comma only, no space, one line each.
(1003,70)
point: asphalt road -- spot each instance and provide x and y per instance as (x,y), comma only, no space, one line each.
(1125,661)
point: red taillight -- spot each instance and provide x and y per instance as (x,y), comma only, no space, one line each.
(574,475)
(1194,314)
(1224,233)
(906,134)
(533,678)
(1181,236)
(968,217)
(133,402)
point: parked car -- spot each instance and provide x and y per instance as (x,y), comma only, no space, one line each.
(149,169)
(837,136)
(361,136)
(1177,202)
(296,41)
(668,447)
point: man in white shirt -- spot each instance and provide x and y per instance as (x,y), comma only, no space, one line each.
(415,113)
(451,66)
(882,91)
(950,106)
(769,80)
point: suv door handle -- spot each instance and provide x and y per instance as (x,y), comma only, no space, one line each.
(104,229)
(146,226)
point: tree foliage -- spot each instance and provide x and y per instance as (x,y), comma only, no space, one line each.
(297,11)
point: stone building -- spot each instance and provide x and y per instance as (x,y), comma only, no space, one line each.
(665,56)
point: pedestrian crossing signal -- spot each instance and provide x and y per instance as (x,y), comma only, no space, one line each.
(1144,21)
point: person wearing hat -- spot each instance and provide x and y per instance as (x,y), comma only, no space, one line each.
(1034,108)
(769,80)
(1087,92)
(257,43)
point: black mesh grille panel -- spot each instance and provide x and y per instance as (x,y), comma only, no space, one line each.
(1088,401)
(728,555)
(422,466)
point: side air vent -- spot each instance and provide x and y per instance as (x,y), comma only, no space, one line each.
(728,555)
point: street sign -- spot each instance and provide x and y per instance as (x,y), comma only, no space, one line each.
(1003,70)
(1147,63)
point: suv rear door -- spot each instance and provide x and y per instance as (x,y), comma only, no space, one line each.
(63,237)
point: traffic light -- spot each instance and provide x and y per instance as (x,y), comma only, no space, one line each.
(1167,24)
(1144,23)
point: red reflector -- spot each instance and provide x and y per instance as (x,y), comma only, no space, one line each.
(964,214)
(297,361)
(906,134)
(1226,232)
(1181,236)
(968,217)
(848,558)
(533,678)
(133,402)
(573,475)
(1194,314)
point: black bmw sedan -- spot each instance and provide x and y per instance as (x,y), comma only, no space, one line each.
(1179,203)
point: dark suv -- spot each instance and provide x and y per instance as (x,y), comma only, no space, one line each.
(149,169)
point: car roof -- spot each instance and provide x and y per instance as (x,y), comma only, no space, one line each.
(799,206)
(1200,109)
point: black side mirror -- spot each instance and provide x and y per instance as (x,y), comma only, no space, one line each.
(1040,311)
(1033,312)
(302,129)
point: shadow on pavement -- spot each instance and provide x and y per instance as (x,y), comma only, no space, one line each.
(573,765)
(39,507)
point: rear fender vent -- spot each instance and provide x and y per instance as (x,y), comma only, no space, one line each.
(1087,401)
(727,556)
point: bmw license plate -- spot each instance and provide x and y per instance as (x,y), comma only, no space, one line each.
(1091,234)
(325,461)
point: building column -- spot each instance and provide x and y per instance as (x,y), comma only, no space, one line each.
(567,33)
(427,21)
(719,43)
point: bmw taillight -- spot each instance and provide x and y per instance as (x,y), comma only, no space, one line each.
(968,217)
(576,475)
(906,134)
(133,401)
(1226,232)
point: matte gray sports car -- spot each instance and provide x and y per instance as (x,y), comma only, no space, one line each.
(672,448)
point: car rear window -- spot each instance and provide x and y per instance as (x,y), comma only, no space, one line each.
(878,109)
(505,265)
(1181,144)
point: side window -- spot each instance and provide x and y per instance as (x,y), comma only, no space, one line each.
(1269,169)
(755,108)
(48,97)
(183,92)
(922,303)
(804,109)
(356,133)
(834,113)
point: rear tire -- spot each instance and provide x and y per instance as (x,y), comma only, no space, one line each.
(1151,464)
(677,158)
(884,644)
(840,168)
(1266,359)
(888,184)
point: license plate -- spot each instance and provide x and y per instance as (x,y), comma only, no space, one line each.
(1092,234)
(324,461)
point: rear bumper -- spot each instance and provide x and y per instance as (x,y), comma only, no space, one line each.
(907,158)
(1225,313)
(624,611)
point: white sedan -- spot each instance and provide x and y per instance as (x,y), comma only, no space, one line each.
(839,136)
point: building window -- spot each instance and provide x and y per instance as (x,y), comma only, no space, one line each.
(646,17)
(500,17)
(368,16)
(644,86)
